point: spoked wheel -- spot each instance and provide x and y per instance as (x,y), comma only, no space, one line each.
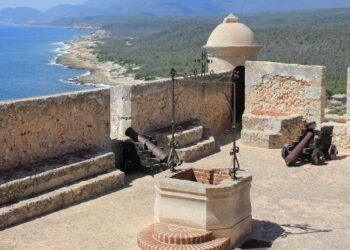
(317,157)
(332,153)
(286,151)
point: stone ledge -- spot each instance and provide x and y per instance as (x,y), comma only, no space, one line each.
(198,150)
(42,178)
(191,132)
(269,122)
(266,139)
(58,199)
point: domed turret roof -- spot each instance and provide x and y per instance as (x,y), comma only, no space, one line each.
(231,33)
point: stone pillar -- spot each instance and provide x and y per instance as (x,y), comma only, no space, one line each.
(348,103)
(121,117)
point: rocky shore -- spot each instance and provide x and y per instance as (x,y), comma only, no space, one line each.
(80,55)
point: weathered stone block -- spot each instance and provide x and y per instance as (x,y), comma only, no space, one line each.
(312,74)
(261,139)
(266,131)
(313,92)
(286,88)
(340,137)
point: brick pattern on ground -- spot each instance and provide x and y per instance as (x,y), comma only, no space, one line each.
(163,236)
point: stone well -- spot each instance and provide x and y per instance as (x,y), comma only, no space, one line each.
(207,199)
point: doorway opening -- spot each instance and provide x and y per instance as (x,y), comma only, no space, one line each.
(239,80)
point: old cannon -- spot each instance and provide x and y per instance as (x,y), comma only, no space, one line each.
(312,145)
(143,154)
(157,152)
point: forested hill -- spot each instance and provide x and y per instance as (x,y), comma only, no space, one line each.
(169,8)
(307,37)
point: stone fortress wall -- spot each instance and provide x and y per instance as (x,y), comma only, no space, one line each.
(278,89)
(36,129)
(147,106)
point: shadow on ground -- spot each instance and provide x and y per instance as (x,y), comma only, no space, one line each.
(264,233)
(295,229)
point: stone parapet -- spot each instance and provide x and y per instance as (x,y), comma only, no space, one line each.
(147,106)
(36,129)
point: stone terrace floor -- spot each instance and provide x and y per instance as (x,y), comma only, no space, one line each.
(304,207)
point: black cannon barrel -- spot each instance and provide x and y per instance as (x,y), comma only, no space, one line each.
(130,132)
(294,155)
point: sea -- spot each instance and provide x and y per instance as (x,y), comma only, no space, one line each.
(27,61)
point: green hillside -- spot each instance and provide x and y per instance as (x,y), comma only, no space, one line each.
(310,37)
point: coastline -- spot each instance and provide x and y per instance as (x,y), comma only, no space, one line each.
(79,54)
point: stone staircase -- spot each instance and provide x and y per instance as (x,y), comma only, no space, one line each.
(272,132)
(164,236)
(53,185)
(194,141)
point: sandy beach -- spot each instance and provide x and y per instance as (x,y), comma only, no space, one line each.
(80,55)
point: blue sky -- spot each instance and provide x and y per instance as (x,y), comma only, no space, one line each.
(38,4)
(263,4)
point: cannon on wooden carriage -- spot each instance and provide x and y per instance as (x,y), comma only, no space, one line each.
(143,154)
(312,145)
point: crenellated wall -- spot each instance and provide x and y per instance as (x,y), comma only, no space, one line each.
(147,106)
(36,129)
(286,89)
